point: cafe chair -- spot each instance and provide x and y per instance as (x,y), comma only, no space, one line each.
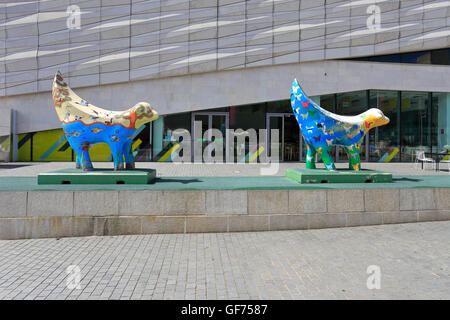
(420,158)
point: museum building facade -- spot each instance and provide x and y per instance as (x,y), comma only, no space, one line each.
(227,65)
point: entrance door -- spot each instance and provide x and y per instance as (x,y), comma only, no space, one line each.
(201,123)
(290,144)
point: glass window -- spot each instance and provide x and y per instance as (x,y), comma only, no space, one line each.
(289,131)
(418,57)
(351,103)
(162,138)
(249,116)
(142,144)
(440,57)
(441,122)
(415,119)
(244,118)
(383,141)
(224,109)
(393,58)
(327,102)
(171,123)
(282,106)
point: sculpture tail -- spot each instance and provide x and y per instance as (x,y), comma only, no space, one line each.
(295,87)
(298,92)
(60,94)
(65,100)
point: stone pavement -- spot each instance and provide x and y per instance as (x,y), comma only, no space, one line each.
(311,264)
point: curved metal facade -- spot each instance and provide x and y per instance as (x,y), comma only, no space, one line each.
(125,40)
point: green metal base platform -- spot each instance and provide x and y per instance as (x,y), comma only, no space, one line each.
(101,176)
(339,176)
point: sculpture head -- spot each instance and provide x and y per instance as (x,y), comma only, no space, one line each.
(144,113)
(374,118)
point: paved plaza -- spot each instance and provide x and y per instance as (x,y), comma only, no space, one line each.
(32,169)
(413,260)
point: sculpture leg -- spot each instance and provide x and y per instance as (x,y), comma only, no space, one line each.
(310,157)
(128,154)
(328,159)
(353,157)
(78,160)
(117,156)
(85,159)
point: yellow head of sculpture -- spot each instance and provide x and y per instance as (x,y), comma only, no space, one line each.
(143,114)
(375,118)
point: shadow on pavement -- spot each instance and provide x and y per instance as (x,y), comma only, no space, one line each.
(13,166)
(406,179)
(183,181)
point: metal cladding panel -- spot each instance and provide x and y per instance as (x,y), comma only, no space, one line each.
(102,42)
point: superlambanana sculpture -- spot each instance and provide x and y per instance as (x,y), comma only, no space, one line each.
(85,124)
(322,129)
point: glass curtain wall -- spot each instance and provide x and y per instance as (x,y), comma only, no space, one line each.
(351,104)
(418,121)
(162,138)
(289,132)
(441,122)
(328,102)
(142,144)
(415,124)
(440,57)
(384,142)
(242,119)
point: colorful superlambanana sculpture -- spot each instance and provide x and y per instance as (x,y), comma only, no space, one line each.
(322,129)
(85,124)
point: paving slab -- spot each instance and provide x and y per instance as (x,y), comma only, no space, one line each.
(299,264)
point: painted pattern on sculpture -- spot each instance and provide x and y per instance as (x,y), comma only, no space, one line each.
(85,124)
(321,129)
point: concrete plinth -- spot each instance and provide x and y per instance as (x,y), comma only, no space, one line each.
(338,176)
(78,176)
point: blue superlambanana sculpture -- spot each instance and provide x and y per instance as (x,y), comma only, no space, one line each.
(85,124)
(321,129)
